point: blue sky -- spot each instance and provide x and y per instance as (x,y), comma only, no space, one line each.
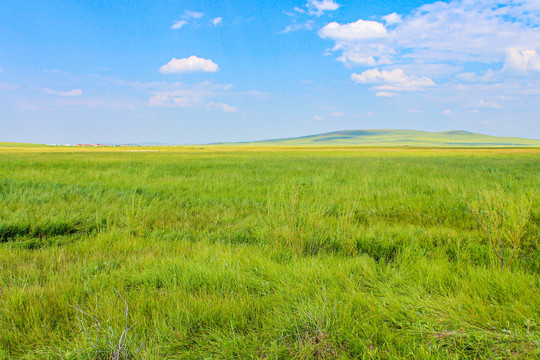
(204,71)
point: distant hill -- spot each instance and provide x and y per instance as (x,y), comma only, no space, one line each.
(13,144)
(455,138)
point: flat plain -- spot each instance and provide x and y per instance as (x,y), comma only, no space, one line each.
(270,253)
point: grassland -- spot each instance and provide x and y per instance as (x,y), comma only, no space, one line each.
(263,253)
(390,138)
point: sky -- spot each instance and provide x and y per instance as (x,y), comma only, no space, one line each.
(194,72)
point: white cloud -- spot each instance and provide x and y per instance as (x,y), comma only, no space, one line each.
(385,94)
(458,31)
(70,93)
(473,77)
(200,96)
(217,21)
(392,80)
(188,15)
(192,14)
(522,61)
(222,106)
(191,64)
(447,112)
(1,70)
(308,25)
(361,42)
(489,104)
(337,114)
(392,19)
(359,30)
(179,24)
(318,7)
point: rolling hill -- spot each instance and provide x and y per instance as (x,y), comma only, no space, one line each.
(15,144)
(399,138)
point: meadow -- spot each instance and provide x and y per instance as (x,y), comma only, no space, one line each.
(267,253)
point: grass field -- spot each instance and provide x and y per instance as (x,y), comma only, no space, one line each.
(266,253)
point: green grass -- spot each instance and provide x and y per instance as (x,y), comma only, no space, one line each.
(414,138)
(263,253)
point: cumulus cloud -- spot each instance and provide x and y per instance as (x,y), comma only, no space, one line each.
(70,93)
(392,80)
(359,30)
(361,42)
(392,19)
(318,7)
(217,21)
(522,61)
(192,64)
(457,31)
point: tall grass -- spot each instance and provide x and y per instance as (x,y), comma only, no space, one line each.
(265,254)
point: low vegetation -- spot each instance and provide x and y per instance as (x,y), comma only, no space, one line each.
(215,253)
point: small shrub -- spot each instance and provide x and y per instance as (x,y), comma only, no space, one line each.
(105,342)
(503,219)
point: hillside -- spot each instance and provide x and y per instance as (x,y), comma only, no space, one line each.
(400,138)
(14,144)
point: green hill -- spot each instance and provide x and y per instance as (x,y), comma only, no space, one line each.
(13,144)
(400,138)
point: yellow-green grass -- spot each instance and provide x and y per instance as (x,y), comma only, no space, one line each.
(263,253)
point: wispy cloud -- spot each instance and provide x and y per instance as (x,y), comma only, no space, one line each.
(392,80)
(191,64)
(222,106)
(193,14)
(179,24)
(318,7)
(295,26)
(489,104)
(70,93)
(385,94)
(200,95)
(217,21)
(186,18)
